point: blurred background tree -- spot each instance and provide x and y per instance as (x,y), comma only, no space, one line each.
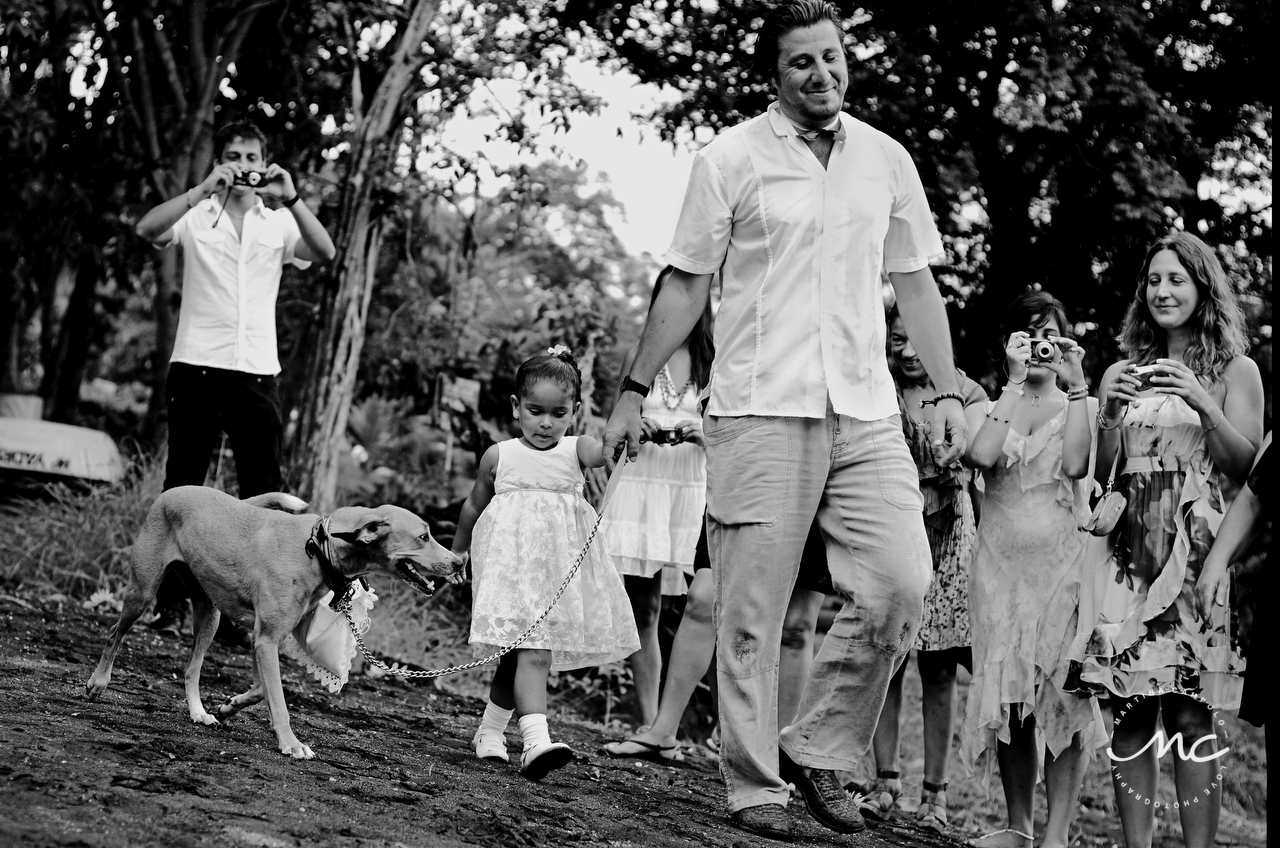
(1056,141)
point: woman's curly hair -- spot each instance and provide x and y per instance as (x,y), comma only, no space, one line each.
(1217,326)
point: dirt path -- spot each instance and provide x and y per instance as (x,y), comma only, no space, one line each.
(393,765)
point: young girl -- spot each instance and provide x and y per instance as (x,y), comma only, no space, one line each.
(530,523)
(943,639)
(1033,448)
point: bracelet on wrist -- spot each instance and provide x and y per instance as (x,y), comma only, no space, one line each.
(999,420)
(1102,422)
(1016,388)
(1221,417)
(190,204)
(288,203)
(941,397)
(1078,393)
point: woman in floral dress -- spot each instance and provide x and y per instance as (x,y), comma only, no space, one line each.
(1185,412)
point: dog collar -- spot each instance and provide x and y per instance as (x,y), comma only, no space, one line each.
(319,547)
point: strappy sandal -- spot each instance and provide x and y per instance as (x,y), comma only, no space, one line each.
(932,812)
(882,799)
(647,751)
(983,841)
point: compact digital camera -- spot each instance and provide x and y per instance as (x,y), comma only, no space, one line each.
(1144,373)
(666,437)
(1044,350)
(252,179)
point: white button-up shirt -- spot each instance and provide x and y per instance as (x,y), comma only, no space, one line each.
(229,286)
(802,251)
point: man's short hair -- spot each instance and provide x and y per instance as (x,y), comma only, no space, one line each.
(227,133)
(782,19)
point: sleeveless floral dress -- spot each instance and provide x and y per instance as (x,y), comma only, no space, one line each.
(524,544)
(1026,573)
(655,514)
(1140,633)
(950,525)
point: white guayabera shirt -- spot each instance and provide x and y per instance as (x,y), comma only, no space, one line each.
(229,286)
(802,251)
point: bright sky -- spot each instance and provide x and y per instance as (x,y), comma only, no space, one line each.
(646,174)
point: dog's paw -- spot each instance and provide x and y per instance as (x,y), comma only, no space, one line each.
(296,750)
(95,686)
(202,717)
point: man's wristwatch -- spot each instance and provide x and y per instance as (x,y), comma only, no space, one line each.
(630,385)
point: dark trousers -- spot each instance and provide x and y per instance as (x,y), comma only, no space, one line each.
(203,404)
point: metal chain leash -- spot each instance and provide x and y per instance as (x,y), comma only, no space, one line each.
(345,609)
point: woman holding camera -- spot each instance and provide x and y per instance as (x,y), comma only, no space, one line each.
(1181,419)
(655,515)
(1034,449)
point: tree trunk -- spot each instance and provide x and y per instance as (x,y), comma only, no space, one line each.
(326,401)
(63,379)
(11,325)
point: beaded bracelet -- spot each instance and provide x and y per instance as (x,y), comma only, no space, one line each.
(999,420)
(1102,421)
(941,397)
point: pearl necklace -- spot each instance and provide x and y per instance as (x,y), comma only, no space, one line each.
(671,397)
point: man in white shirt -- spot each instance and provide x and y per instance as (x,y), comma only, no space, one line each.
(801,210)
(222,374)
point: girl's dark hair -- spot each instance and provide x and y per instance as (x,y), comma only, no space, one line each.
(1217,327)
(702,344)
(1033,309)
(227,133)
(782,19)
(559,368)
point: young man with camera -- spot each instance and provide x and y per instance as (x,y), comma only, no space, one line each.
(222,374)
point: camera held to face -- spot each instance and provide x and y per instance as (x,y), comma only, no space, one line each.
(1044,350)
(252,179)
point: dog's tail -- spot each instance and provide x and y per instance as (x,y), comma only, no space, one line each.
(279,501)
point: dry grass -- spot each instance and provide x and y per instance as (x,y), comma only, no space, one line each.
(78,542)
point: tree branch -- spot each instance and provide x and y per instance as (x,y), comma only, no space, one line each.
(197,18)
(165,48)
(149,127)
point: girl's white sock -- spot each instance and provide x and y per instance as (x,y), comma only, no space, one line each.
(533,729)
(495,719)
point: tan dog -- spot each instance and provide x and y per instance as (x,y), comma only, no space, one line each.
(250,561)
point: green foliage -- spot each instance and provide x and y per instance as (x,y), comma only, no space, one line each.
(1056,141)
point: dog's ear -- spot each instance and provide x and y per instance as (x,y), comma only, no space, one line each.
(363,535)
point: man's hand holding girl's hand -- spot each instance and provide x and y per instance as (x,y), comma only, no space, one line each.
(623,430)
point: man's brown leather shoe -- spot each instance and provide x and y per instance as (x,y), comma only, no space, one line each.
(769,820)
(823,795)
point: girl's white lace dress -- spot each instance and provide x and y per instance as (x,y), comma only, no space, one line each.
(524,544)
